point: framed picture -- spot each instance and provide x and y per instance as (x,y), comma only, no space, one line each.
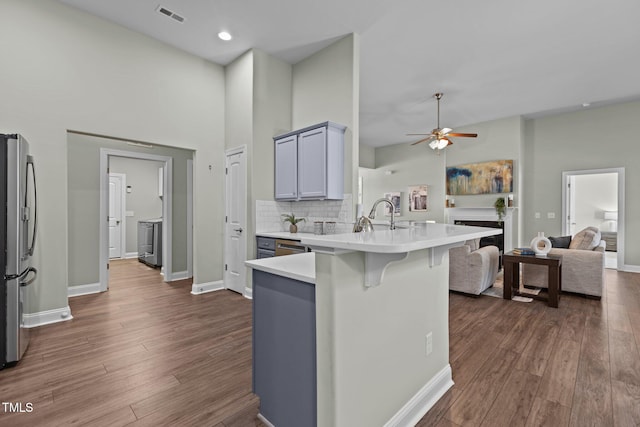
(395,198)
(417,198)
(480,178)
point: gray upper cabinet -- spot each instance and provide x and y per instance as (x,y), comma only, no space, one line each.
(309,163)
(286,169)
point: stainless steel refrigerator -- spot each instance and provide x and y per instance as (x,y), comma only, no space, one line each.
(18,225)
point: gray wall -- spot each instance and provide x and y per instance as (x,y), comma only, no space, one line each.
(71,70)
(258,106)
(419,164)
(261,94)
(84,201)
(542,148)
(579,141)
(326,87)
(143,200)
(407,165)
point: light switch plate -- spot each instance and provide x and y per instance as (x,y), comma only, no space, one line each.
(537,215)
(551,215)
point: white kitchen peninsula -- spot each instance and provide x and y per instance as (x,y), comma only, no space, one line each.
(381,321)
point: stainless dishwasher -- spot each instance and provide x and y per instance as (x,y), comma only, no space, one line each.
(150,242)
(289,247)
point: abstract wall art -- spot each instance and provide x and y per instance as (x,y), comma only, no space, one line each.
(480,178)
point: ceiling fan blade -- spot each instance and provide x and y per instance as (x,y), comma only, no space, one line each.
(466,135)
(424,140)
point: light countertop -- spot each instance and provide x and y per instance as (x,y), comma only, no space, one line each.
(300,267)
(428,235)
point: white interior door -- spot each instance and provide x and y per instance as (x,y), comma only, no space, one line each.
(116,215)
(235,223)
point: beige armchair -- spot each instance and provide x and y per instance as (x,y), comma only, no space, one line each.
(582,269)
(472,270)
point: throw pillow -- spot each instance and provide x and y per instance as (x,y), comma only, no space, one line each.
(560,242)
(586,239)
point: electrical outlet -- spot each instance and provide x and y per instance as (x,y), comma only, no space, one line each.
(537,215)
(428,343)
(551,215)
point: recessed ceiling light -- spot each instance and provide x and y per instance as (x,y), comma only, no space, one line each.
(223,35)
(586,104)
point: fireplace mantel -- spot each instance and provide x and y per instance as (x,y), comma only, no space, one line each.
(485,214)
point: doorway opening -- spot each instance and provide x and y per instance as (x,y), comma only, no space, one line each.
(88,156)
(596,198)
(161,226)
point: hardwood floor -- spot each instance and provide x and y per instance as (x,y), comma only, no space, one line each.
(143,353)
(149,353)
(519,364)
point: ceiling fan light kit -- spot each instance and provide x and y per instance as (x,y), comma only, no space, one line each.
(439,138)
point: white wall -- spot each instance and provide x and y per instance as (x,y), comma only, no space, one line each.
(595,194)
(65,69)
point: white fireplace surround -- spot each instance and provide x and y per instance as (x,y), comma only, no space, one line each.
(485,214)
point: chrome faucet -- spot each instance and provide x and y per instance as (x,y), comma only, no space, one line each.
(372,214)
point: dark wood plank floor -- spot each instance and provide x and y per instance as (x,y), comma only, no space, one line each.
(526,364)
(143,353)
(149,353)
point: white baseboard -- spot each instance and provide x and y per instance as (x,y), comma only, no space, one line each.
(203,288)
(264,420)
(631,268)
(423,400)
(248,293)
(130,255)
(41,318)
(180,275)
(91,288)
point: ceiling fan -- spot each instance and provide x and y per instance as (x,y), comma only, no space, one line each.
(440,138)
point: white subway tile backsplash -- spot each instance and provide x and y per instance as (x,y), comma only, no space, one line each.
(269,214)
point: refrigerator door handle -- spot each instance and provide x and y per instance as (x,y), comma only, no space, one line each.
(25,274)
(35,206)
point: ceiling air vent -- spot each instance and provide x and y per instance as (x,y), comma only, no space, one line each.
(171,14)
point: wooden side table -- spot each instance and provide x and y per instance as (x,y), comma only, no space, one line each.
(511,263)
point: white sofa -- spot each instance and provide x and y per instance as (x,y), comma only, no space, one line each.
(582,269)
(472,270)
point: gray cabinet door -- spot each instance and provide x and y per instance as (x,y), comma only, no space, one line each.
(284,349)
(312,164)
(309,163)
(286,168)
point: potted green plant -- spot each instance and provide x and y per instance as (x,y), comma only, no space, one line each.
(501,208)
(293,222)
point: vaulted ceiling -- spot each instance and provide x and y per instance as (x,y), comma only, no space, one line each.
(492,59)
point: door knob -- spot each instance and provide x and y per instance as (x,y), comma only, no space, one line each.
(239,230)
